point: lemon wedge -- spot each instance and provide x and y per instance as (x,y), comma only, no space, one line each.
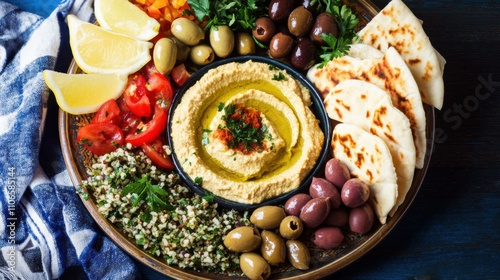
(97,50)
(123,17)
(83,93)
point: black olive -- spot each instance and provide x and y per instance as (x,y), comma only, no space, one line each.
(311,5)
(280,9)
(264,29)
(303,56)
(324,23)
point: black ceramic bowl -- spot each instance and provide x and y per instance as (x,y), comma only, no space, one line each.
(317,108)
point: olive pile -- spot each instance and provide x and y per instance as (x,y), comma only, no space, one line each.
(222,41)
(293,31)
(333,203)
(275,237)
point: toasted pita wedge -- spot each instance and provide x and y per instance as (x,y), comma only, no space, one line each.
(369,107)
(398,27)
(369,159)
(387,71)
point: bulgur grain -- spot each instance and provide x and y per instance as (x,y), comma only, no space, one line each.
(189,236)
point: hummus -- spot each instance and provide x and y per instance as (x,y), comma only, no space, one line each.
(246,132)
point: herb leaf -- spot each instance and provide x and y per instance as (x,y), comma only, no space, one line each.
(209,196)
(201,8)
(154,196)
(279,76)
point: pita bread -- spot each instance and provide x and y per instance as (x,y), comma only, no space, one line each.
(398,27)
(369,159)
(369,107)
(387,71)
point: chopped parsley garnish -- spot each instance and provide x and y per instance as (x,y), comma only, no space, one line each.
(220,107)
(198,180)
(279,76)
(208,196)
(243,129)
(154,196)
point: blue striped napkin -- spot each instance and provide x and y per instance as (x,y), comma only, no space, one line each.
(45,232)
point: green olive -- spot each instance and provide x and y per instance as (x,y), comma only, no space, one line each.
(182,50)
(291,227)
(243,239)
(254,266)
(272,248)
(267,217)
(244,43)
(222,40)
(202,54)
(187,31)
(298,254)
(164,55)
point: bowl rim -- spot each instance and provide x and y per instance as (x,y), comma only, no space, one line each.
(316,107)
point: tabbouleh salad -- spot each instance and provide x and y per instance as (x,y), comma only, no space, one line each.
(163,216)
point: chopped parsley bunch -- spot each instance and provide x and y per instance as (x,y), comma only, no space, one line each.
(239,15)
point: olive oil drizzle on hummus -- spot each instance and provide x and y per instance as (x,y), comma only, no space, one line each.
(280,121)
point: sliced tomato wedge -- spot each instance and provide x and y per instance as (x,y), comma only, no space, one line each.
(109,112)
(150,68)
(161,90)
(136,96)
(179,74)
(100,138)
(148,132)
(157,154)
(130,122)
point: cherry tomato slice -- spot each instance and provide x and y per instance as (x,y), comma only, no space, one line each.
(157,154)
(179,74)
(136,96)
(130,122)
(109,112)
(150,68)
(100,138)
(150,131)
(161,90)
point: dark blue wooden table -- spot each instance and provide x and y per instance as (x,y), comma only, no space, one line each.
(451,230)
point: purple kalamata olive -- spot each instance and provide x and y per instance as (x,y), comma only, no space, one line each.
(321,187)
(327,237)
(338,217)
(337,172)
(315,212)
(361,219)
(355,192)
(294,204)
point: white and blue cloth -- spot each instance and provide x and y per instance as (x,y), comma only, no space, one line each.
(45,232)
